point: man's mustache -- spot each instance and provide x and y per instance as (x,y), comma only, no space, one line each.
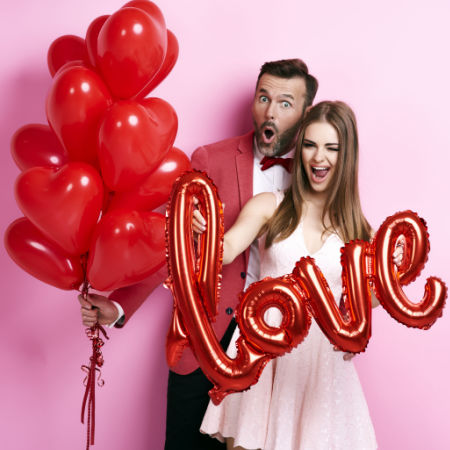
(268,124)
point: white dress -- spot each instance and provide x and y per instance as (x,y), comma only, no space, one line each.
(309,399)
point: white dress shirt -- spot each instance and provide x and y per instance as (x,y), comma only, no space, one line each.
(273,179)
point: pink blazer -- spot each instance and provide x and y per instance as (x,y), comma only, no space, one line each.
(229,164)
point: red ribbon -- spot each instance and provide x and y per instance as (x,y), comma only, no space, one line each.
(96,361)
(89,395)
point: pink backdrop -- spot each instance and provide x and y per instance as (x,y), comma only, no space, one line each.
(389,60)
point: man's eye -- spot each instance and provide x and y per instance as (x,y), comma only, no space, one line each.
(263,99)
(285,104)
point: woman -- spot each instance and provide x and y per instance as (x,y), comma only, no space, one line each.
(310,398)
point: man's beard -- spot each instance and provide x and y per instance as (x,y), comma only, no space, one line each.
(281,144)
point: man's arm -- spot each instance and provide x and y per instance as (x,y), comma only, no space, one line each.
(101,309)
(199,159)
(132,297)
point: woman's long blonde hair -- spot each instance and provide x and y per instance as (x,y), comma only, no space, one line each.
(343,205)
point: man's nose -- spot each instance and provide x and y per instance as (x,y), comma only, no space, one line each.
(270,111)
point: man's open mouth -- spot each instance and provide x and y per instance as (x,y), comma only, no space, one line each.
(268,135)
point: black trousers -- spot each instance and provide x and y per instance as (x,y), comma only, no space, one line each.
(187,400)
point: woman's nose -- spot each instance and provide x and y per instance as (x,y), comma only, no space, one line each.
(319,155)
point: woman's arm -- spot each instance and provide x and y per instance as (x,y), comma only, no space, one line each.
(256,212)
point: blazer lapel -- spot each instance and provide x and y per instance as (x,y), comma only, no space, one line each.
(244,169)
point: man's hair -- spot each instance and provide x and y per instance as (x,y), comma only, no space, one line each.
(291,68)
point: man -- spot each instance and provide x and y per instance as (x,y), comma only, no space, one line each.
(240,168)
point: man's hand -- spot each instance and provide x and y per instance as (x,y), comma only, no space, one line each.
(97,308)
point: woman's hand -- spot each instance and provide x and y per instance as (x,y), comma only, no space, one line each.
(198,221)
(399,251)
(347,355)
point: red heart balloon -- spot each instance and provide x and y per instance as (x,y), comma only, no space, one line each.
(167,65)
(76,102)
(75,63)
(64,49)
(127,247)
(172,44)
(150,8)
(164,120)
(92,36)
(131,48)
(133,139)
(36,145)
(64,204)
(156,188)
(42,259)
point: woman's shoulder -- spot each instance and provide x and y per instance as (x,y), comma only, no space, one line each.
(272,197)
(264,203)
(265,196)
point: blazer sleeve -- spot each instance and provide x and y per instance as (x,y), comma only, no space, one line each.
(200,160)
(132,297)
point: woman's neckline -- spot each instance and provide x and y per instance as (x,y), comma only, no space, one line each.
(312,254)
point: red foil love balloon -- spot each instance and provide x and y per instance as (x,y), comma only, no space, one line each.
(350,335)
(388,282)
(298,296)
(284,294)
(195,289)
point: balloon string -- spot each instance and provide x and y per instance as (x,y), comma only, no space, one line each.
(96,361)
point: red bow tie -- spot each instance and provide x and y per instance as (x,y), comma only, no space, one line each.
(269,161)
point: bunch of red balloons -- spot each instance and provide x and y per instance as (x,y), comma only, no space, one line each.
(92,178)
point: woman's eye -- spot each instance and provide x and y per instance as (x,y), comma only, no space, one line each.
(307,145)
(334,149)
